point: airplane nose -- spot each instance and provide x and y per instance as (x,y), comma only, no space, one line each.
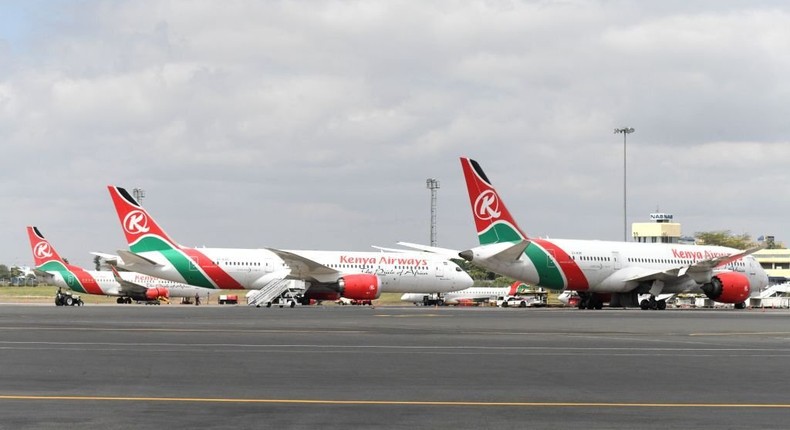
(466,280)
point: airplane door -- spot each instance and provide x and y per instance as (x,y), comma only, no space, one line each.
(616,260)
(194,264)
(550,258)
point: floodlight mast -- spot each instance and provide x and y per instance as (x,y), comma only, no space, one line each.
(138,194)
(433,185)
(625,132)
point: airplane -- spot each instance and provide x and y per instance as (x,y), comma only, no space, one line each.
(466,297)
(601,271)
(329,275)
(126,286)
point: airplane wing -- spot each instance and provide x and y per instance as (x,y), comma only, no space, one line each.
(305,268)
(637,274)
(705,265)
(445,252)
(128,287)
(385,249)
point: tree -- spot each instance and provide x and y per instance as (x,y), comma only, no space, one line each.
(725,238)
(4,272)
(97,262)
(475,272)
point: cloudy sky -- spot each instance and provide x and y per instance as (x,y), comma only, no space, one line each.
(314,124)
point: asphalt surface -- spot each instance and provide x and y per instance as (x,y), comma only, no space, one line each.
(127,366)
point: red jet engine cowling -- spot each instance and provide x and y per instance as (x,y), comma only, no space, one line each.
(728,287)
(156,292)
(360,287)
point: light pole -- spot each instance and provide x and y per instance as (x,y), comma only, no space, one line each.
(625,131)
(139,194)
(433,185)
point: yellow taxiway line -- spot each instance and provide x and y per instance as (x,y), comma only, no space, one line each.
(395,402)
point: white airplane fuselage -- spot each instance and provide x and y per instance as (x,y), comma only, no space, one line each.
(103,283)
(614,267)
(473,294)
(230,268)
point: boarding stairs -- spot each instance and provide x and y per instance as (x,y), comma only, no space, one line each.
(275,289)
(774,291)
(269,292)
(775,296)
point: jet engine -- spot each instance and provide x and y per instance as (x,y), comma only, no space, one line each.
(728,287)
(360,287)
(156,292)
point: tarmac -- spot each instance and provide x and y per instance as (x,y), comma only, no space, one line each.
(236,367)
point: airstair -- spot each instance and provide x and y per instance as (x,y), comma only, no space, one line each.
(775,296)
(274,290)
(775,291)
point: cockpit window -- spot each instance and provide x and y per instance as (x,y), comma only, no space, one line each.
(458,269)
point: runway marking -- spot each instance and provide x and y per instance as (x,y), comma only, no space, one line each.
(753,333)
(333,331)
(396,402)
(187,330)
(412,316)
(389,349)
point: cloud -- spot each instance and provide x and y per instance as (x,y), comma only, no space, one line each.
(315,125)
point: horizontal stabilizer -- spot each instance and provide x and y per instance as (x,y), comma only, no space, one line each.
(506,252)
(512,253)
(131,259)
(42,274)
(110,259)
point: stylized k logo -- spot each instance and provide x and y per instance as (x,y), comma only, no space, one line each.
(487,206)
(42,250)
(136,222)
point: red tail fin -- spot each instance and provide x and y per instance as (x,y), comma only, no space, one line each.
(514,288)
(136,222)
(492,219)
(43,252)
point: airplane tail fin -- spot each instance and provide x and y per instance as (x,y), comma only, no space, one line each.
(43,252)
(492,219)
(142,232)
(515,287)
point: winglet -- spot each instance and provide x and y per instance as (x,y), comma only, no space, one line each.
(493,221)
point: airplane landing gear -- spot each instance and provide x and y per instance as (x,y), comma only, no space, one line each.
(653,304)
(590,301)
